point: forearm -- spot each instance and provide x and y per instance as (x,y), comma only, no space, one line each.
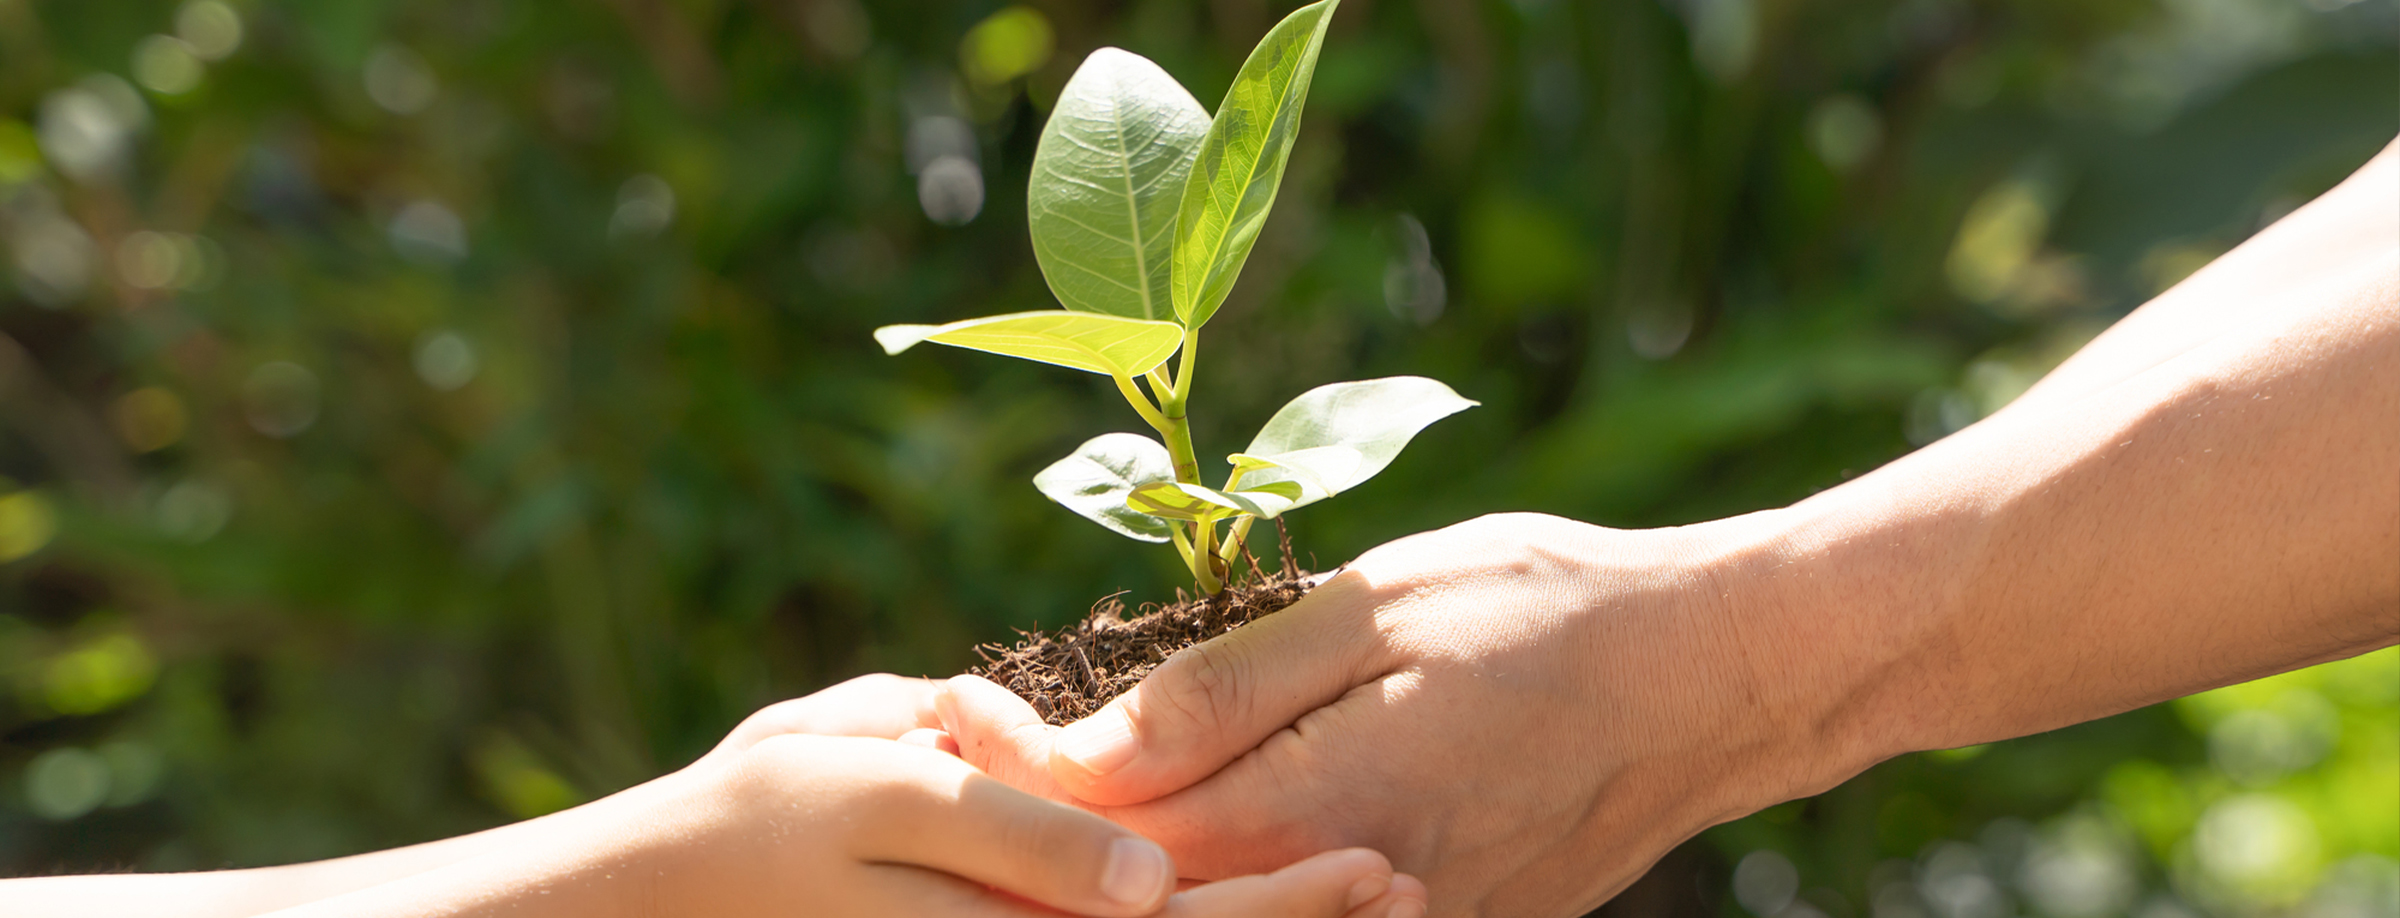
(235,893)
(605,859)
(2230,512)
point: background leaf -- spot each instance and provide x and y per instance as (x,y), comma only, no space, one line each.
(1095,480)
(1092,342)
(1335,436)
(1108,176)
(1233,184)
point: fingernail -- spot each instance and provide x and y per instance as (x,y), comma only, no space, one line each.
(1407,908)
(1137,872)
(1365,890)
(1101,743)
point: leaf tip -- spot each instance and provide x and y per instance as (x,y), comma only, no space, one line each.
(897,338)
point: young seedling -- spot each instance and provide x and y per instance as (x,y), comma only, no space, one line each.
(1143,210)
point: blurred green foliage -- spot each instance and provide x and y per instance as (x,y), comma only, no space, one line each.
(422,415)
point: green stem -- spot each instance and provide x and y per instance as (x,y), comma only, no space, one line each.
(1183,369)
(1174,426)
(1204,561)
(1141,403)
(1178,434)
(1183,545)
(1234,539)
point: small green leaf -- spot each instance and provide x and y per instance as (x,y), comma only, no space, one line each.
(1333,437)
(1109,345)
(1108,176)
(1233,183)
(1100,474)
(1179,501)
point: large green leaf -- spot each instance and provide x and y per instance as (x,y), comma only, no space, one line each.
(1100,474)
(1107,178)
(1110,345)
(1179,501)
(1233,182)
(1333,437)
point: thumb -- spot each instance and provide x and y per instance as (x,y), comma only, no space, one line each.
(999,734)
(1208,704)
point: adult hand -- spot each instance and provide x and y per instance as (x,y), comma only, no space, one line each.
(1521,709)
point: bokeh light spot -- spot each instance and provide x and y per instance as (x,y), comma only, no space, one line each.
(193,511)
(1765,882)
(645,205)
(399,80)
(1997,241)
(1844,131)
(951,191)
(65,783)
(210,27)
(99,676)
(166,65)
(445,360)
(87,130)
(428,233)
(27,522)
(280,399)
(149,260)
(1006,45)
(149,418)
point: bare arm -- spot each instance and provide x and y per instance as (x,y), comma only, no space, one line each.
(2208,493)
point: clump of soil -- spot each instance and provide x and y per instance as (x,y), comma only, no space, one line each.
(1073,671)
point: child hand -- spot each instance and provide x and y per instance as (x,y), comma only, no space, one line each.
(820,825)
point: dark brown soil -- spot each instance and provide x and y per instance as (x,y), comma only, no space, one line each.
(1075,670)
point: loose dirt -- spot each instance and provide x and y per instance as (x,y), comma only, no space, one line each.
(1075,670)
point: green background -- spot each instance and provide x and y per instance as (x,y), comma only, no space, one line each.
(421,415)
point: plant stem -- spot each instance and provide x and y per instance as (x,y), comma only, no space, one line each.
(1183,369)
(1176,428)
(1183,544)
(1141,403)
(1234,539)
(1173,424)
(1204,559)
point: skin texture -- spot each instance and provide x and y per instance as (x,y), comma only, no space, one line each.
(847,802)
(1528,711)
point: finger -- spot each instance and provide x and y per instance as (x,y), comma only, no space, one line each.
(1330,885)
(1208,704)
(906,889)
(930,738)
(881,705)
(939,813)
(1407,898)
(1000,734)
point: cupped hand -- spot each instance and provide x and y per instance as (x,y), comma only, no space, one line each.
(825,825)
(811,807)
(1523,710)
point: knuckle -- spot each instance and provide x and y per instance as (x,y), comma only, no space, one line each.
(1039,840)
(1207,690)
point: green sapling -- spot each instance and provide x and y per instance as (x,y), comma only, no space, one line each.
(1142,210)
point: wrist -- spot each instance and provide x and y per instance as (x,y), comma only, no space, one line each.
(1829,610)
